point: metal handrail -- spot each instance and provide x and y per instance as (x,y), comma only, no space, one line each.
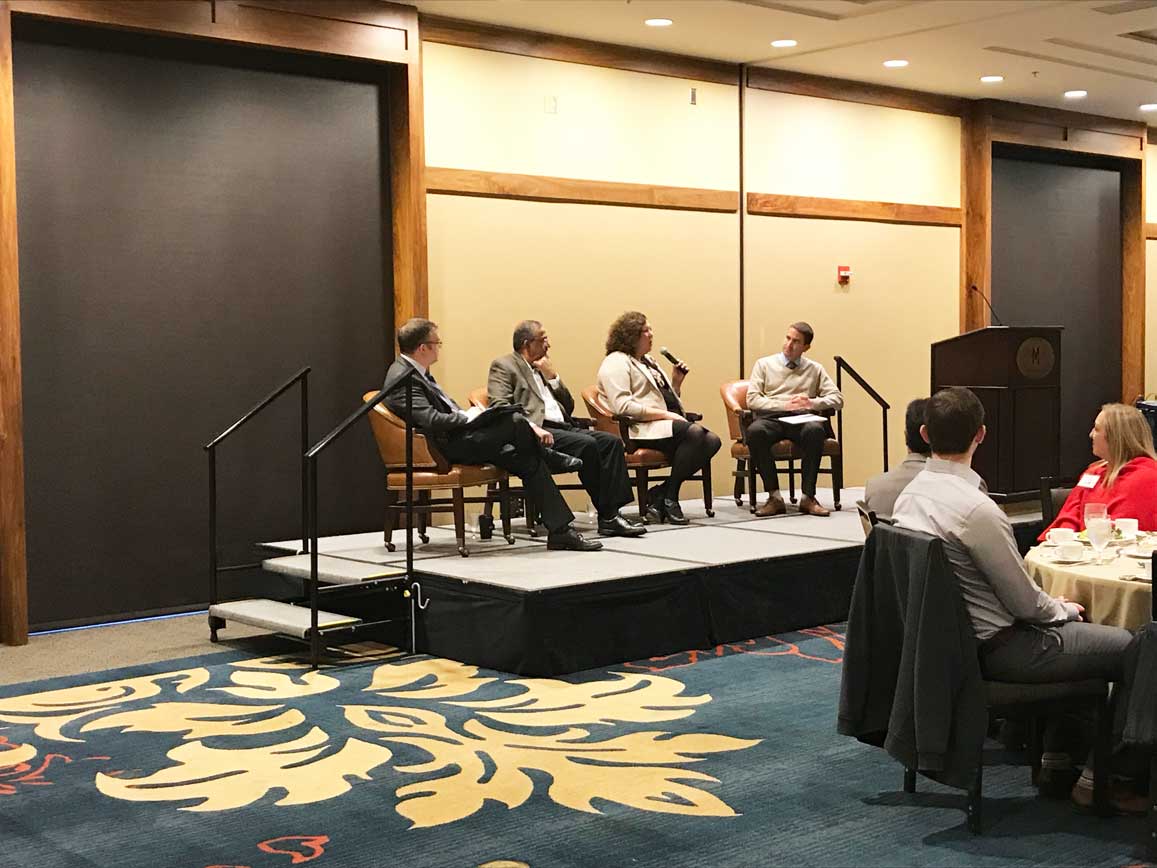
(310,459)
(302,377)
(841,366)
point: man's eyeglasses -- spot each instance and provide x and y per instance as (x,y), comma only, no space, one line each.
(431,343)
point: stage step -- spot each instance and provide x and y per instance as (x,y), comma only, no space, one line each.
(278,617)
(332,570)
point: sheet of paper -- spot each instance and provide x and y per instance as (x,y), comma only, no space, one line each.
(801,418)
(473,413)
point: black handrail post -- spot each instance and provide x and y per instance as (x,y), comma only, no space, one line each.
(304,469)
(314,636)
(212,450)
(410,505)
(840,412)
(885,414)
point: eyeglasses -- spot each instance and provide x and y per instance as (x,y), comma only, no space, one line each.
(431,343)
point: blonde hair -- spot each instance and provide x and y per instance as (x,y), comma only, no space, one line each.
(1127,435)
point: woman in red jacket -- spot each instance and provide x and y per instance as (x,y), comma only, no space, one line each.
(1125,477)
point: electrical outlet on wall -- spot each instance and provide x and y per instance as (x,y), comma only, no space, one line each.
(550,105)
(694,96)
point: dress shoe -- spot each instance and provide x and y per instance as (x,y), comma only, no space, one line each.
(560,462)
(1121,799)
(570,540)
(808,505)
(655,513)
(620,526)
(674,512)
(774,506)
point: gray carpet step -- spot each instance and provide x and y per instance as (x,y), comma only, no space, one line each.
(331,570)
(278,617)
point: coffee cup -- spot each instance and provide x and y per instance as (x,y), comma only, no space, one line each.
(1127,527)
(1060,535)
(1070,551)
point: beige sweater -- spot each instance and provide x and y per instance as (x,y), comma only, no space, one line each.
(773,383)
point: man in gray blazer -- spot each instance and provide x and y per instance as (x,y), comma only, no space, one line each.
(881,491)
(527,377)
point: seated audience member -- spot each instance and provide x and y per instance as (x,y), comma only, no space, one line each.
(527,377)
(1124,476)
(633,385)
(1024,635)
(507,440)
(881,491)
(787,384)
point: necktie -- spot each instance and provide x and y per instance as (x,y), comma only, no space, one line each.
(793,365)
(442,394)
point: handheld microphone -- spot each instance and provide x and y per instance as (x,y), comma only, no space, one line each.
(984,298)
(670,357)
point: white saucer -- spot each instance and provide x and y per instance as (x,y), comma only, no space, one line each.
(1068,562)
(1132,552)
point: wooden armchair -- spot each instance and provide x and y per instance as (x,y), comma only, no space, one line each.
(640,459)
(734,396)
(432,472)
(518,498)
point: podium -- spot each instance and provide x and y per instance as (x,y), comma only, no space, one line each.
(1015,372)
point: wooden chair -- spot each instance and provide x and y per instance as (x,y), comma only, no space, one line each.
(518,499)
(640,458)
(1054,491)
(868,518)
(432,472)
(734,396)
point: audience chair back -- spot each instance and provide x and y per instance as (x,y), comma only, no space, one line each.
(1054,491)
(734,396)
(479,398)
(390,435)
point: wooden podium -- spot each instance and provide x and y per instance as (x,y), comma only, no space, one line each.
(1015,372)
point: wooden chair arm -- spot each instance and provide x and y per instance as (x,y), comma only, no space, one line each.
(583,423)
(693,417)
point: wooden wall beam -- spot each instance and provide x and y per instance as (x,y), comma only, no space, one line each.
(775,205)
(786,81)
(529,43)
(1133,280)
(408,190)
(540,188)
(976,230)
(13,564)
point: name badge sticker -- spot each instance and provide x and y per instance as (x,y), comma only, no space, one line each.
(1089,480)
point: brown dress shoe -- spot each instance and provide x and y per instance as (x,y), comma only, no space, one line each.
(808,505)
(774,506)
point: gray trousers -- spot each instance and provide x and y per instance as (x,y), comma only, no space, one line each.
(1057,652)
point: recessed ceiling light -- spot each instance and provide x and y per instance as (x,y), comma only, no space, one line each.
(784,43)
(658,22)
(991,79)
(895,64)
(1149,107)
(1076,94)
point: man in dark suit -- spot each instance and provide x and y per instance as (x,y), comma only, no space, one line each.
(507,440)
(528,378)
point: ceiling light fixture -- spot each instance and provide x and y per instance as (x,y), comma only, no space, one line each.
(784,43)
(1149,107)
(1076,94)
(895,64)
(658,22)
(991,79)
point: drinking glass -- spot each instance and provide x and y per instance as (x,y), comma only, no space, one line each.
(1100,531)
(1095,510)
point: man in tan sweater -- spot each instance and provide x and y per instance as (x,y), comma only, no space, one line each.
(784,385)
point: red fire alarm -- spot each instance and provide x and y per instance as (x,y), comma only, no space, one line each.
(844,274)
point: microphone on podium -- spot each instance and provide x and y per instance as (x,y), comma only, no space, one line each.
(670,357)
(987,303)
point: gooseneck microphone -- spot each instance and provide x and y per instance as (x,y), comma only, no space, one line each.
(670,357)
(984,298)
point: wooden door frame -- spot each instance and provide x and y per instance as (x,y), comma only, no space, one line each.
(362,30)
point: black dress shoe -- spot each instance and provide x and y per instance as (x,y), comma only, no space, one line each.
(674,512)
(560,462)
(570,540)
(619,526)
(654,513)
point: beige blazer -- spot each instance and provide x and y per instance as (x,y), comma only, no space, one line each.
(629,390)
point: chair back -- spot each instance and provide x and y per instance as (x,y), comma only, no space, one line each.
(390,435)
(1054,491)
(734,396)
(479,398)
(867,517)
(598,410)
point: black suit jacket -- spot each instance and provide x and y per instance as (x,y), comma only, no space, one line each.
(430,413)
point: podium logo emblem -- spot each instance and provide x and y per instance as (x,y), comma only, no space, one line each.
(1035,358)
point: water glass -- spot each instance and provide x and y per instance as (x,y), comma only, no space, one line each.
(1100,531)
(1095,510)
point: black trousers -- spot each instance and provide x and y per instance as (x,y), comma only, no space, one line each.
(604,471)
(765,432)
(689,448)
(509,442)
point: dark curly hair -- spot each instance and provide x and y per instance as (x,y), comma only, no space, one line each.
(625,333)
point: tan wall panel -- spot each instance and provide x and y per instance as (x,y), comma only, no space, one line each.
(575,268)
(902,298)
(1150,182)
(1151,313)
(806,146)
(485,110)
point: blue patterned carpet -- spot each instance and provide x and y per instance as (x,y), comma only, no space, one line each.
(716,758)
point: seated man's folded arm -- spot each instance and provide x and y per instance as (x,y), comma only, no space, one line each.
(757,397)
(829,397)
(990,541)
(425,417)
(499,385)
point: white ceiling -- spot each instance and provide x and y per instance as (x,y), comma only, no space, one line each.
(1041,47)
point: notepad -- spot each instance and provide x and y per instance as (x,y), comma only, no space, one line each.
(801,418)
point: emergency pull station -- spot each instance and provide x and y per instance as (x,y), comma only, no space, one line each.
(844,274)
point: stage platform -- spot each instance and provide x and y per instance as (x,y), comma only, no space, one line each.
(521,608)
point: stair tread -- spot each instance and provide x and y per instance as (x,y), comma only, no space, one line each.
(278,616)
(334,570)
